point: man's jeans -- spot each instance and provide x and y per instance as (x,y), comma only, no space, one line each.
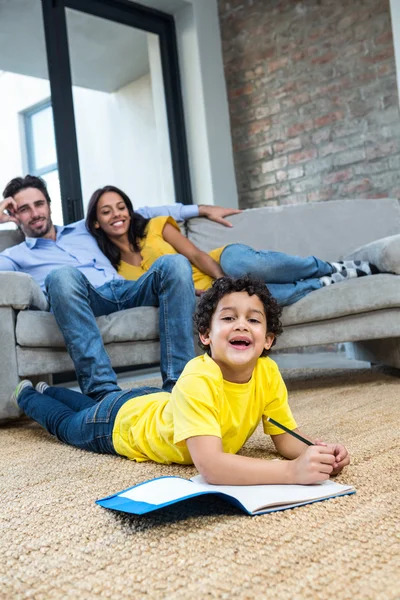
(76,304)
(288,278)
(77,419)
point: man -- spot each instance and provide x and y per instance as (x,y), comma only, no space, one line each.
(81,283)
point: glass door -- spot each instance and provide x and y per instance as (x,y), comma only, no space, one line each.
(120,110)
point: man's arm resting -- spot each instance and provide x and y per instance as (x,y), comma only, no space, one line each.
(179,212)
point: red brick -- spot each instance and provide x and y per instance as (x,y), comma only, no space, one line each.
(357,187)
(380,56)
(384,149)
(276,191)
(322,194)
(274,165)
(302,156)
(338,176)
(257,126)
(386,69)
(288,146)
(373,195)
(329,118)
(385,38)
(243,91)
(275,65)
(294,130)
(325,58)
(348,21)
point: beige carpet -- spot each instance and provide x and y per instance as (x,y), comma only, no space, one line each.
(55,542)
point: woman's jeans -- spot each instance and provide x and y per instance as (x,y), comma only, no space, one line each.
(77,419)
(76,303)
(288,278)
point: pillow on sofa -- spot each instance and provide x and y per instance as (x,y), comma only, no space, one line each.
(384,253)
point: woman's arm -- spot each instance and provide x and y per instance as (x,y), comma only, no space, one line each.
(218,467)
(199,259)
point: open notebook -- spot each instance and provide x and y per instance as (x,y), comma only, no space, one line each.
(252,499)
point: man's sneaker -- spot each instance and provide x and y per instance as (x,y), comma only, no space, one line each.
(25,383)
(41,387)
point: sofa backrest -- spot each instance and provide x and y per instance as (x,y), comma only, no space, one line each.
(10,237)
(328,230)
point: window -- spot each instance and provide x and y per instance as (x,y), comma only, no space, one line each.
(41,152)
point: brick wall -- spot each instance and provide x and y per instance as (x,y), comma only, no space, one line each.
(313,99)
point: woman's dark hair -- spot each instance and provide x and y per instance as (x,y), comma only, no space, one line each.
(136,231)
(22,183)
(226,285)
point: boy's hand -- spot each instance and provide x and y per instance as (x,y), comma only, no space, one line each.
(342,457)
(313,465)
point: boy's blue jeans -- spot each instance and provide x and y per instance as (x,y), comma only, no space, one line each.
(77,419)
(288,277)
(76,303)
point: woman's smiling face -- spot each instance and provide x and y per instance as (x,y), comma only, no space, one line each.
(112,215)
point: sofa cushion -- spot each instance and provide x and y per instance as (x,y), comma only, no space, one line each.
(364,294)
(384,253)
(39,329)
(20,291)
(10,237)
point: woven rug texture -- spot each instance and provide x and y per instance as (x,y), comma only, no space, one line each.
(56,543)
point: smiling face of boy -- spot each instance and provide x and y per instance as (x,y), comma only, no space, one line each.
(238,335)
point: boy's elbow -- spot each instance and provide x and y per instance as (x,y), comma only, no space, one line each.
(209,470)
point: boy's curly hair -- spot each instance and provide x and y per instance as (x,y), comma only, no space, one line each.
(227,285)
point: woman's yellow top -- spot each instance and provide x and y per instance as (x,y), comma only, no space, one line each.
(154,246)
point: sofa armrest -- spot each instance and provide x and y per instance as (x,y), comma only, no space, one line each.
(21,291)
(384,253)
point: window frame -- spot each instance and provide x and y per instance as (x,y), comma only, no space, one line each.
(28,114)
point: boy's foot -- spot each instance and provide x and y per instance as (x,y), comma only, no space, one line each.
(349,269)
(41,387)
(25,383)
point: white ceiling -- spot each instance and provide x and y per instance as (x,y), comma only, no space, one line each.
(104,55)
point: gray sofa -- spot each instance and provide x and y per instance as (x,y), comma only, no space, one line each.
(364,312)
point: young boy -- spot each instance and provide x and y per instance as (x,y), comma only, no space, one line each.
(215,406)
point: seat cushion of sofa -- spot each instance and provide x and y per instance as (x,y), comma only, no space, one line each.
(351,297)
(39,329)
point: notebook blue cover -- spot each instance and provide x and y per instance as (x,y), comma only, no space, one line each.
(158,493)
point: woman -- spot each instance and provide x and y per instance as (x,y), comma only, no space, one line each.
(133,243)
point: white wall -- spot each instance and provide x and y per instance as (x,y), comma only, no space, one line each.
(117,142)
(205,104)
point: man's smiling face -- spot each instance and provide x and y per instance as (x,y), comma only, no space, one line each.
(34,213)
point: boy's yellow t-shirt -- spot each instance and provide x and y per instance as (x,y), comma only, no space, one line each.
(155,427)
(154,246)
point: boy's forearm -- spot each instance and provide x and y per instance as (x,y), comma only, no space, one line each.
(231,469)
(288,446)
